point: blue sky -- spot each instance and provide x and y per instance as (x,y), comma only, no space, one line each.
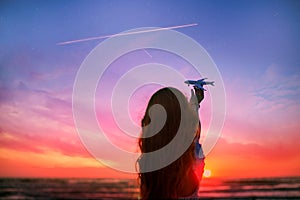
(244,36)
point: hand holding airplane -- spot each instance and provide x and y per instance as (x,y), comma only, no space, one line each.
(199,83)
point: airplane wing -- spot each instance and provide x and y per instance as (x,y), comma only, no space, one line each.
(200,80)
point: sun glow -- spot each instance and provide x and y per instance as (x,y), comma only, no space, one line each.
(207,173)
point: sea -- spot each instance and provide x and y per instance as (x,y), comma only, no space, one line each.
(211,188)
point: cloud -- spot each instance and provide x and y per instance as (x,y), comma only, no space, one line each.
(264,108)
(277,86)
(48,158)
(33,118)
(279,151)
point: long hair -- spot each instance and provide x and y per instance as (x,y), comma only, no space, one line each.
(167,181)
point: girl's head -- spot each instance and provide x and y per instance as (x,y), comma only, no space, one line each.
(159,128)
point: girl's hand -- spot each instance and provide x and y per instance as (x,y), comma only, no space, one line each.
(199,94)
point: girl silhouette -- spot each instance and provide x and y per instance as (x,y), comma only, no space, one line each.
(181,178)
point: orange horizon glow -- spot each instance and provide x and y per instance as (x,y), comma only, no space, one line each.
(50,164)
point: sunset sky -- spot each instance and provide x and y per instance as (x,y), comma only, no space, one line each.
(255,45)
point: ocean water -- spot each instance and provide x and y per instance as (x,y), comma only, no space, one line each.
(255,188)
(32,188)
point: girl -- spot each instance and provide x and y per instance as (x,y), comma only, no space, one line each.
(181,178)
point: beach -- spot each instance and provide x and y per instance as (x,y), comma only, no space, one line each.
(212,188)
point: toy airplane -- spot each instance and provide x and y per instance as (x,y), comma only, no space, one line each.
(199,84)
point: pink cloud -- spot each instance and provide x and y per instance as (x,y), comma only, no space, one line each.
(279,151)
(265,109)
(32,120)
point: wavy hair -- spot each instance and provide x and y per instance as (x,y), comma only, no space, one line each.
(167,181)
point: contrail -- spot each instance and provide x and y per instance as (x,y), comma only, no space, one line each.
(147,53)
(130,33)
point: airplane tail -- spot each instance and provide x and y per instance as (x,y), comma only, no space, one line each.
(210,83)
